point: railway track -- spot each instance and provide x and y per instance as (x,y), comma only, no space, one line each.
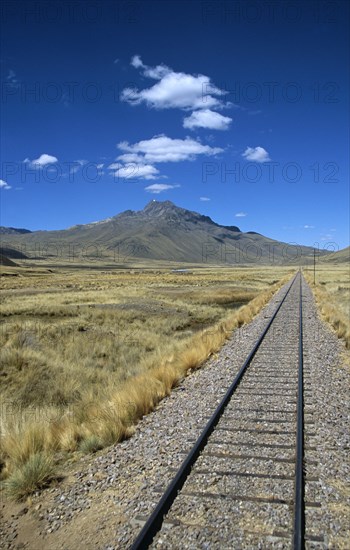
(246,471)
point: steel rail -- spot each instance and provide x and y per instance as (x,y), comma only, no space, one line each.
(299,507)
(155,520)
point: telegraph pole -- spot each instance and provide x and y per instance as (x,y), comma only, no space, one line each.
(314,266)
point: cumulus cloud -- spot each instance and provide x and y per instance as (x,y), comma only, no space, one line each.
(134,171)
(257,154)
(174,90)
(4,185)
(240,215)
(157,188)
(151,72)
(306,226)
(164,149)
(131,157)
(136,62)
(42,161)
(204,199)
(206,118)
(115,166)
(137,160)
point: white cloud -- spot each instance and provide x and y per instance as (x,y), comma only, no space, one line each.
(43,160)
(258,154)
(99,166)
(174,90)
(115,166)
(151,72)
(138,159)
(157,188)
(204,199)
(134,171)
(158,72)
(164,149)
(131,157)
(4,185)
(136,62)
(206,118)
(306,226)
(240,215)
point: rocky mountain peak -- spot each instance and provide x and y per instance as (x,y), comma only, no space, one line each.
(157,206)
(160,208)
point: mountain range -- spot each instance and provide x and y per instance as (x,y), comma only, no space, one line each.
(161,231)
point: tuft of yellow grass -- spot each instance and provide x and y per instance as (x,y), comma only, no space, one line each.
(91,444)
(23,441)
(27,478)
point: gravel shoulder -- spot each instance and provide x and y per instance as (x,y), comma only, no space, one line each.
(103,502)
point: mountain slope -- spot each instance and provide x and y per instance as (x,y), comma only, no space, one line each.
(6,261)
(161,231)
(12,231)
(339,257)
(12,253)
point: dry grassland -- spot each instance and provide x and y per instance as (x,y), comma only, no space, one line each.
(332,293)
(86,353)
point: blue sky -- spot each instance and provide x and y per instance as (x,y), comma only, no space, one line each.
(234,109)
